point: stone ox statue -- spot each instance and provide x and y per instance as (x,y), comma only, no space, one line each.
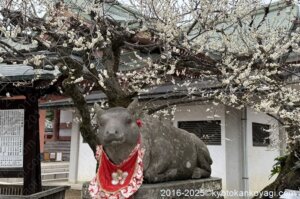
(170,153)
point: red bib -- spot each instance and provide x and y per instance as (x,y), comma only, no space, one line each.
(118,181)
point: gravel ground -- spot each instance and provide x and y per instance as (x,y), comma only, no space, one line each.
(73,194)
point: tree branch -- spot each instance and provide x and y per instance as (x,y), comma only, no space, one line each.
(86,128)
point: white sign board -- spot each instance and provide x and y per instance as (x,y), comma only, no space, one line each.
(58,156)
(11,138)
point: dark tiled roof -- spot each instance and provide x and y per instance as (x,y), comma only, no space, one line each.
(17,73)
(162,91)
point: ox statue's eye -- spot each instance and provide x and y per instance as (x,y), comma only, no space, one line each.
(129,121)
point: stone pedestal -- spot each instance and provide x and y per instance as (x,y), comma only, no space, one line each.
(208,188)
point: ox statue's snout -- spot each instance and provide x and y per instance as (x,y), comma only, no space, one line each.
(113,136)
(112,132)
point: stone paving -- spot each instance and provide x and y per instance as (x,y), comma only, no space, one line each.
(73,194)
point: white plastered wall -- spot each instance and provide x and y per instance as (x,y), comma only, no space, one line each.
(234,152)
(82,161)
(66,117)
(260,159)
(86,163)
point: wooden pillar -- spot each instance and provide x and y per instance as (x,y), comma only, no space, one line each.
(31,163)
(56,124)
(42,121)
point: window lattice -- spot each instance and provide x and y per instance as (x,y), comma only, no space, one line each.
(208,131)
(260,136)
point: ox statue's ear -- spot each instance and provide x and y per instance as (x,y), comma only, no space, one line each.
(133,107)
(98,110)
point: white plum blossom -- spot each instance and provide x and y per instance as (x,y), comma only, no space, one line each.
(80,79)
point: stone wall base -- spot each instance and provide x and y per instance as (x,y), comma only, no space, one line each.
(208,188)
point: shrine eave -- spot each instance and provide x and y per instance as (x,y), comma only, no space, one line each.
(23,79)
(21,73)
